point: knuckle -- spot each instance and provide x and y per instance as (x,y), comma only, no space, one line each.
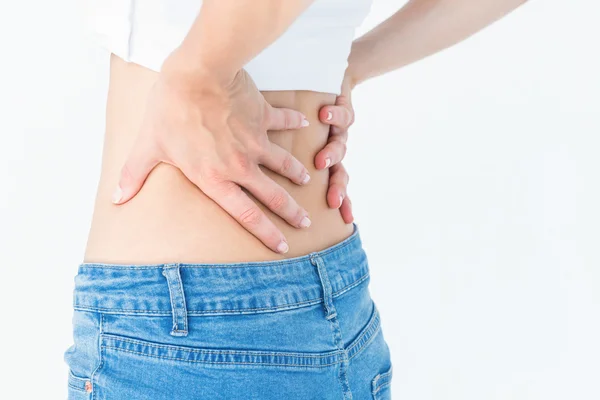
(277,201)
(257,148)
(286,165)
(349,117)
(343,148)
(287,121)
(240,162)
(267,115)
(251,217)
(210,175)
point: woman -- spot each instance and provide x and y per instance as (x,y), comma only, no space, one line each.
(226,265)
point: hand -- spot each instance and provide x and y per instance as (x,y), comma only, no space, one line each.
(215,132)
(340,116)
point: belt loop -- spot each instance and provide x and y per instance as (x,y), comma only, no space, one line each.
(330,311)
(180,323)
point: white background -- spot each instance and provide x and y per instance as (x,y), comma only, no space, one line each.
(475,180)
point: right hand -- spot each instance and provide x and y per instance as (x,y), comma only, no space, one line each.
(215,132)
(340,116)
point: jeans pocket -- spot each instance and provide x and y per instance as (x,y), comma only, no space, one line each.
(79,388)
(83,356)
(381,385)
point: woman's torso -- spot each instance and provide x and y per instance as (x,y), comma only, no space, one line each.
(171,220)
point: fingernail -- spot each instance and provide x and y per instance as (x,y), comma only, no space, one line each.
(329,115)
(341,200)
(306,179)
(305,223)
(327,162)
(282,247)
(305,123)
(117,195)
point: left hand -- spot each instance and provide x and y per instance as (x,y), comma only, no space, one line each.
(340,116)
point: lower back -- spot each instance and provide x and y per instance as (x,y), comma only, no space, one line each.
(171,220)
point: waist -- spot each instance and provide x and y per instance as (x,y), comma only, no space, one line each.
(211,289)
(171,220)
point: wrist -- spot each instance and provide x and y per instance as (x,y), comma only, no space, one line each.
(350,78)
(355,72)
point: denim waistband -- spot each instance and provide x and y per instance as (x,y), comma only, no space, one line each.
(210,289)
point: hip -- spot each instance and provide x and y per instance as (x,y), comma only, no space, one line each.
(303,328)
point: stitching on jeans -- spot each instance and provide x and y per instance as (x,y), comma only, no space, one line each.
(76,388)
(238,311)
(174,309)
(219,362)
(184,311)
(388,382)
(331,314)
(380,387)
(193,350)
(100,355)
(365,344)
(78,379)
(350,286)
(370,326)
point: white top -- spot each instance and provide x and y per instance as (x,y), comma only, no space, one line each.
(311,55)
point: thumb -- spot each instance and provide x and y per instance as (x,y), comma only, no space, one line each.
(134,173)
(279,119)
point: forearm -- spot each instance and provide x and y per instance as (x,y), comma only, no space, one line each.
(229,33)
(421,28)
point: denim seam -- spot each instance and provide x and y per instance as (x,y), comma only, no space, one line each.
(378,386)
(238,311)
(76,388)
(93,377)
(382,386)
(331,316)
(175,310)
(219,362)
(364,345)
(370,330)
(203,351)
(73,377)
(371,326)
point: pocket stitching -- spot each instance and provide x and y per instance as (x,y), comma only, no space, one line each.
(94,376)
(222,362)
(386,380)
(72,378)
(208,351)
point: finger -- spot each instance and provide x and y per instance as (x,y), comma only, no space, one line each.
(279,160)
(338,186)
(277,199)
(279,119)
(140,162)
(332,154)
(336,115)
(231,198)
(337,193)
(346,211)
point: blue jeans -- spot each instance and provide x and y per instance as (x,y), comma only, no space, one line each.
(302,328)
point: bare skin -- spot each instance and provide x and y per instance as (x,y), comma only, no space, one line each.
(171,220)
